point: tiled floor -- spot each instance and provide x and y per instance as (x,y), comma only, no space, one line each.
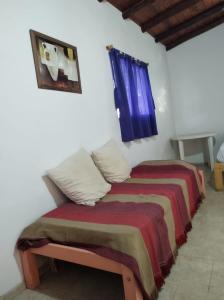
(197,275)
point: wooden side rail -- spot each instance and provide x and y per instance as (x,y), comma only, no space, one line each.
(81,257)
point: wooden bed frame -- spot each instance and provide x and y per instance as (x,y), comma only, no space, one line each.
(81,257)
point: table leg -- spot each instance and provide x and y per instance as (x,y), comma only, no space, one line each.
(181,149)
(211,153)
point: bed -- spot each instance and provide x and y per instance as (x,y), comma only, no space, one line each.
(135,230)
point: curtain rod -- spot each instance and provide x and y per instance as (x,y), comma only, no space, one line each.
(109,47)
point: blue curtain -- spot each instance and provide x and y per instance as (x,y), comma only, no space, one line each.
(133,97)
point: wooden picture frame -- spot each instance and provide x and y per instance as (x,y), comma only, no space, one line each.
(56,63)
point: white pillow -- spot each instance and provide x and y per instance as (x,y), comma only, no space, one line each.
(111,162)
(79,179)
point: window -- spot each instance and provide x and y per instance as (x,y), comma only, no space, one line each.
(133,97)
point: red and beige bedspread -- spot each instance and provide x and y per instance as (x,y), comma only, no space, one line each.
(139,223)
(175,169)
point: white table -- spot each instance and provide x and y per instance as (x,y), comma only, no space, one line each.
(206,135)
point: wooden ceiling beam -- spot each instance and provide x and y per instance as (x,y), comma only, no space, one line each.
(186,24)
(196,32)
(135,7)
(168,13)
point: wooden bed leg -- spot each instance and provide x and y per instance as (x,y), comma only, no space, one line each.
(30,269)
(131,289)
(203,181)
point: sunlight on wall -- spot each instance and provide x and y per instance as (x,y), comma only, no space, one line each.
(162,100)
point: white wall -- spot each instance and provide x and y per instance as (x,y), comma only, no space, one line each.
(39,128)
(197,79)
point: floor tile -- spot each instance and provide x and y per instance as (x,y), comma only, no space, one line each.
(191,272)
(217,278)
(167,293)
(186,294)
